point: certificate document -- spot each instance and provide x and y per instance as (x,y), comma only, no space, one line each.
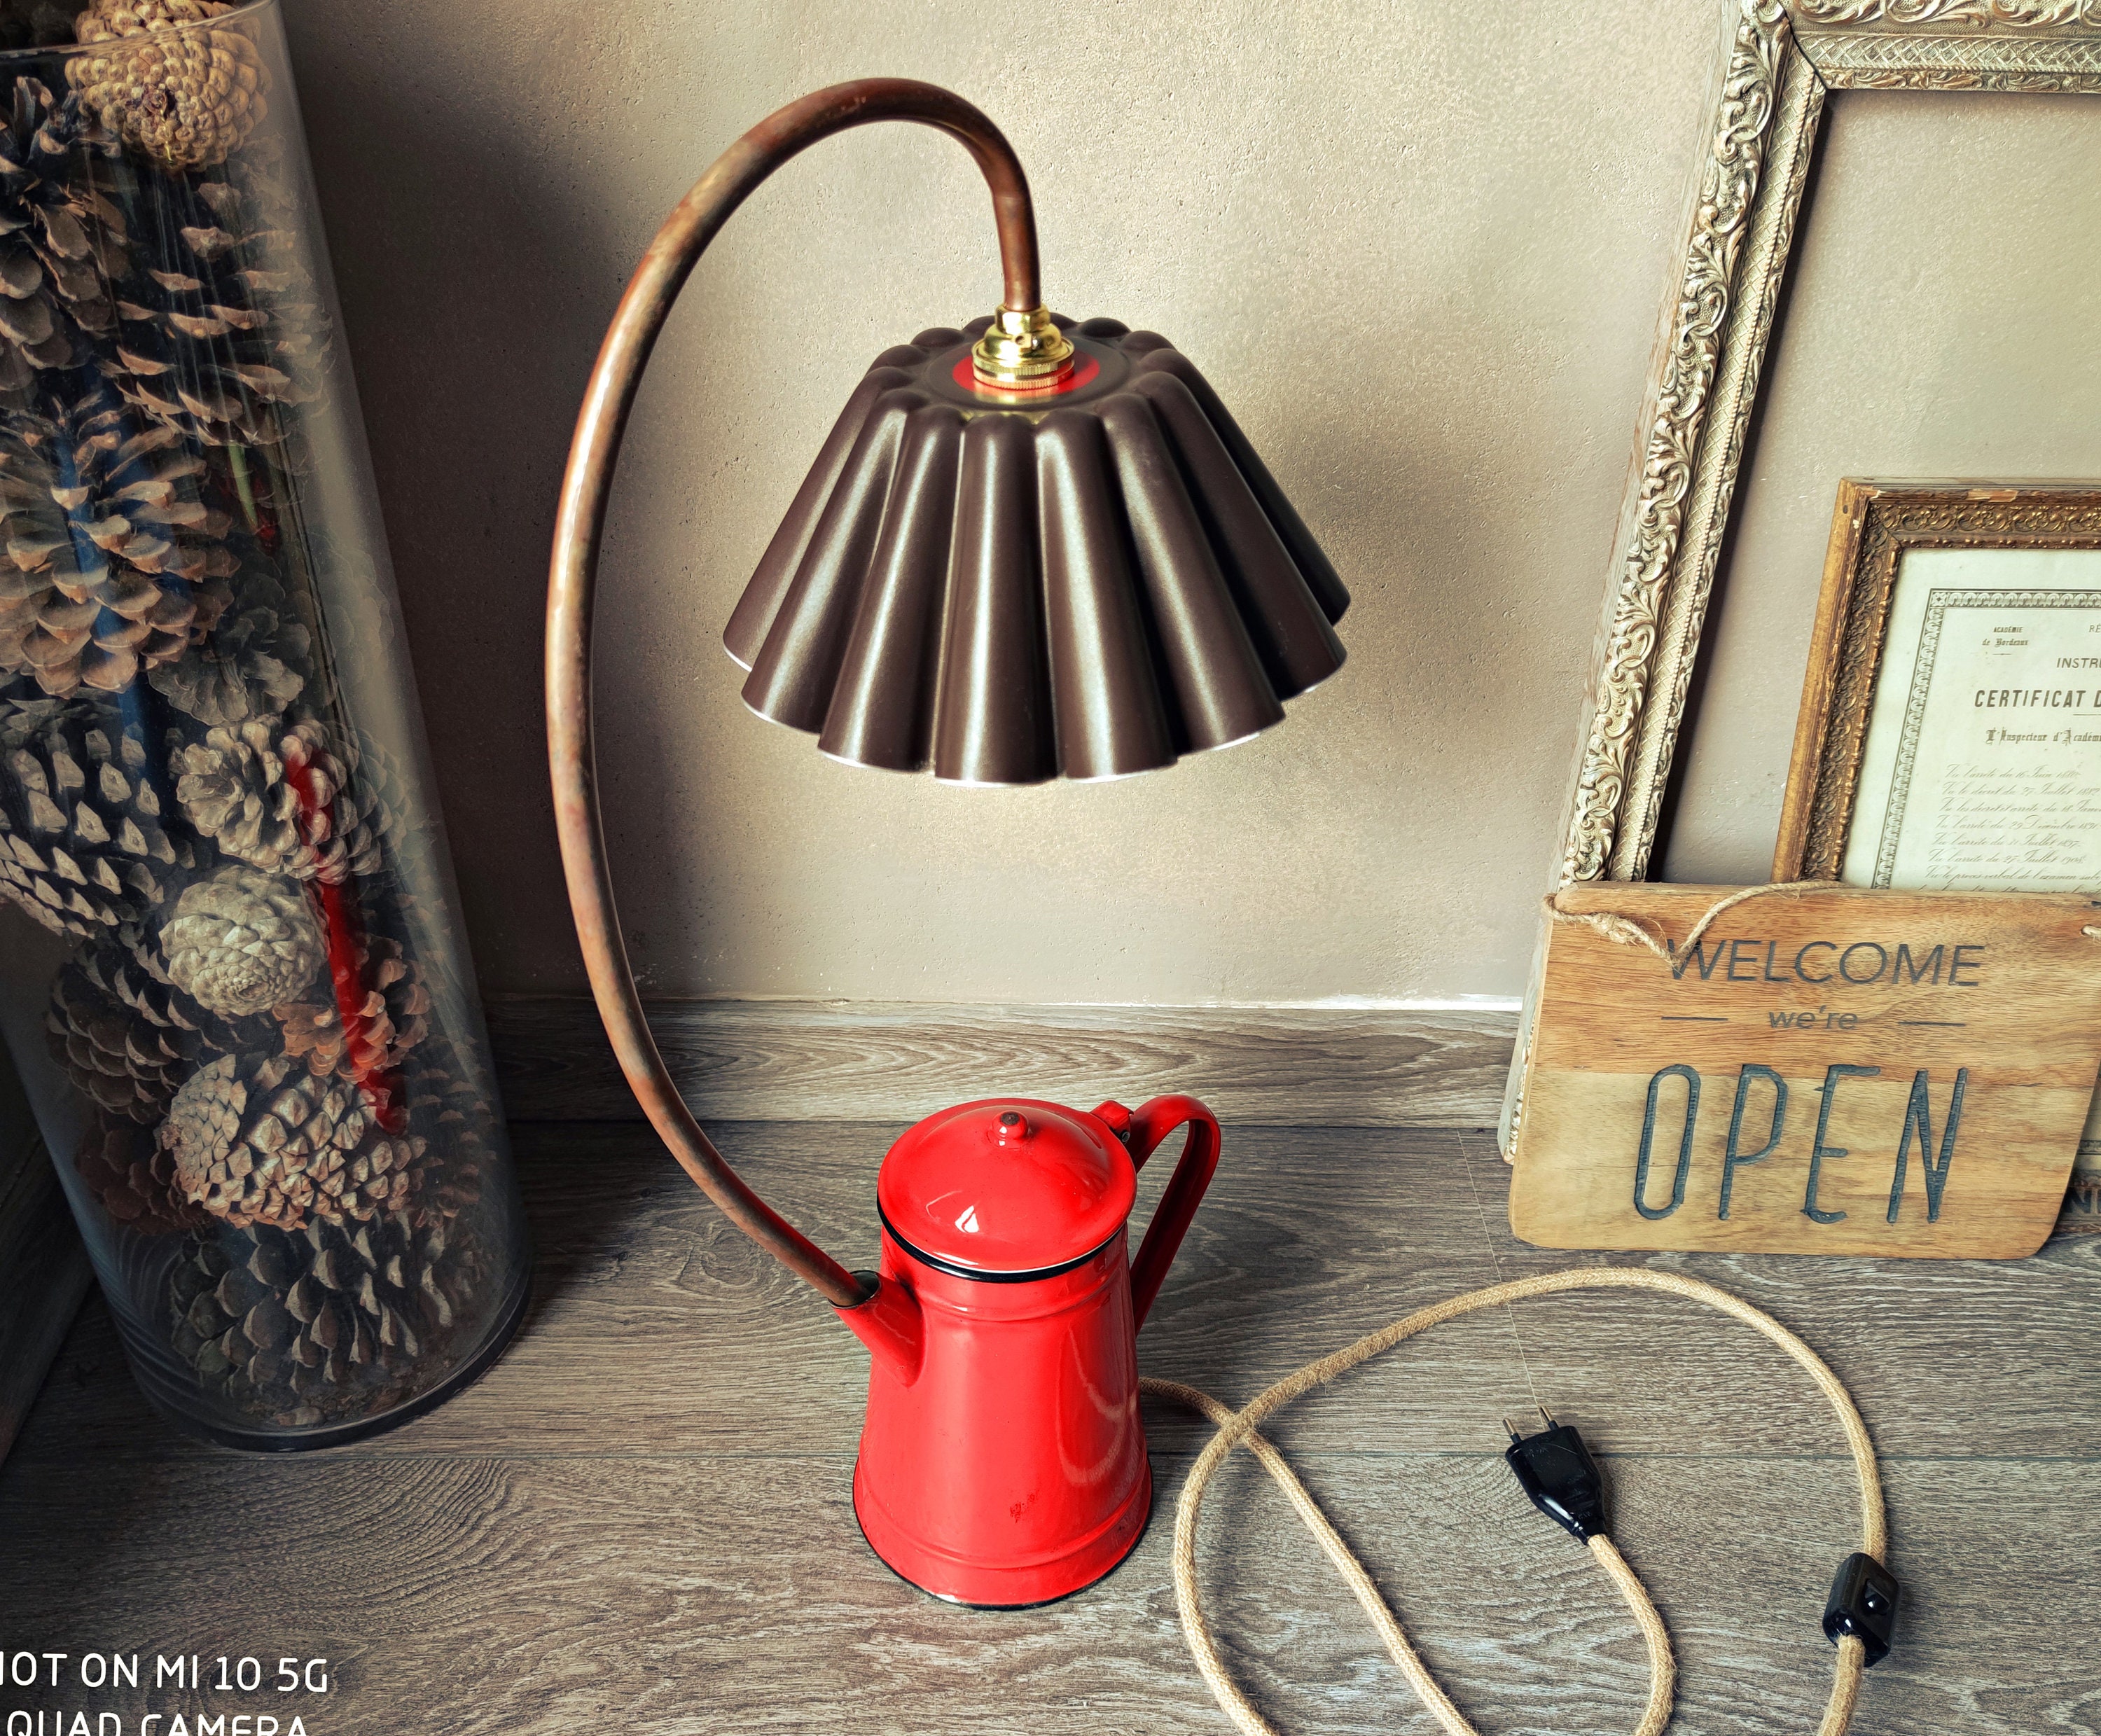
(1981,768)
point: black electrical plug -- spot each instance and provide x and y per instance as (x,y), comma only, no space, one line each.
(1556,1471)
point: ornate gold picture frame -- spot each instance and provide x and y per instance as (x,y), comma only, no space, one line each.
(1874,526)
(1778,63)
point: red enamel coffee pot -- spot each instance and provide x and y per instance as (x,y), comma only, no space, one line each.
(1002,1462)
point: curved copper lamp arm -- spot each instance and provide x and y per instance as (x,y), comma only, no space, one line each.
(580,526)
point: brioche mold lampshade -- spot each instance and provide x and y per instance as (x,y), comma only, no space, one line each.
(1090,580)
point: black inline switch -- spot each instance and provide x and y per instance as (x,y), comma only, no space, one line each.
(1864,1603)
(1557,1472)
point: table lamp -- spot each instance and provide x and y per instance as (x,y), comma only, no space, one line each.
(1030,548)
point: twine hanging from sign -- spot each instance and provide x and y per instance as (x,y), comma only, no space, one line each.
(1631,931)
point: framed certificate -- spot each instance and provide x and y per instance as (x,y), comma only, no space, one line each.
(1949,738)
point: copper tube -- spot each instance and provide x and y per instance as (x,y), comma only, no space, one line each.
(579,527)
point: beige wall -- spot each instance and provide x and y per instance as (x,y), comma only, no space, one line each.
(1418,246)
(1944,320)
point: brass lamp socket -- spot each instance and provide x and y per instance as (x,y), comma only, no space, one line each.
(1021,351)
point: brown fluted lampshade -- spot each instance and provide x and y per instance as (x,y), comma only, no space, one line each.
(1087,581)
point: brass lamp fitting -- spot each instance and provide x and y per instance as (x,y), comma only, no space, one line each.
(1021,349)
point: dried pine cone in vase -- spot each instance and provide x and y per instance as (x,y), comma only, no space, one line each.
(60,241)
(261,1141)
(81,847)
(113,563)
(125,1035)
(134,1180)
(240,942)
(458,1124)
(392,1018)
(134,971)
(185,96)
(279,798)
(123,1062)
(221,325)
(304,1325)
(250,663)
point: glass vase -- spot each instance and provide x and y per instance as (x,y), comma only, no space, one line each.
(233,974)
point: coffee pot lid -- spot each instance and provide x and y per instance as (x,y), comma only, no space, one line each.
(1008,1187)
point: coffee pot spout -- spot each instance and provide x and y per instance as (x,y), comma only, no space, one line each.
(889,1322)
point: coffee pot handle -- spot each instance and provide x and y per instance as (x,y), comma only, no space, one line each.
(1150,1124)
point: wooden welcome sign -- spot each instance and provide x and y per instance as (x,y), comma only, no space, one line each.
(1840,1071)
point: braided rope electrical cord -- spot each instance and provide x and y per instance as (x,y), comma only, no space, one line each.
(1239,1428)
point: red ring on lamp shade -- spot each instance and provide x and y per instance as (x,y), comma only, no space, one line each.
(1084,367)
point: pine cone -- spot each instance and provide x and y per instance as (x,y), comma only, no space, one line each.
(323,1323)
(250,663)
(461,1130)
(313,1033)
(221,326)
(122,1061)
(81,845)
(60,241)
(114,562)
(393,1020)
(241,941)
(185,96)
(132,970)
(282,801)
(256,1141)
(135,1180)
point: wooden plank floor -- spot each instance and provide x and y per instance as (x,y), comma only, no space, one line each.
(639,1521)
